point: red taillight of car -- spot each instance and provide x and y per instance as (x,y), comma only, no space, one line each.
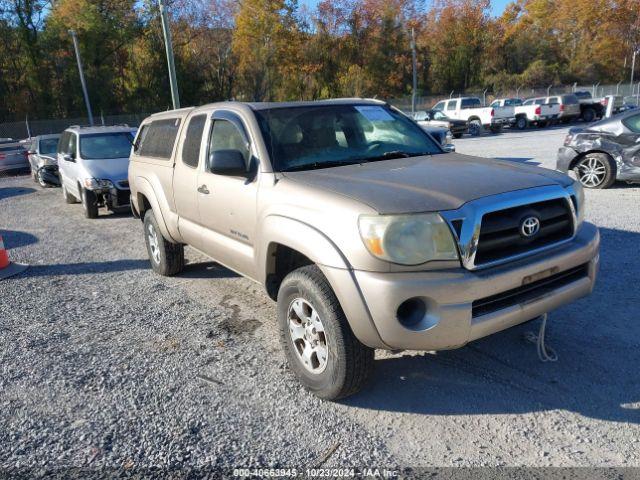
(561,107)
(493,112)
(538,110)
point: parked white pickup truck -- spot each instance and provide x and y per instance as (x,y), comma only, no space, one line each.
(528,114)
(470,109)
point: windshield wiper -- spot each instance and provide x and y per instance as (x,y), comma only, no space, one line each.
(393,154)
(317,165)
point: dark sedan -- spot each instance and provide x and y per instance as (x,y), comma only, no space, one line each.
(603,152)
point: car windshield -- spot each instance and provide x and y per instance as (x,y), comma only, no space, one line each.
(95,146)
(48,146)
(301,138)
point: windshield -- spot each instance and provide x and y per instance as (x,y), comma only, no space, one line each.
(105,145)
(48,146)
(300,138)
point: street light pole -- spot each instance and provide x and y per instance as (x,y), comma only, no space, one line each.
(166,31)
(633,68)
(415,71)
(74,37)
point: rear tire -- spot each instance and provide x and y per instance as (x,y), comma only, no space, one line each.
(595,170)
(589,115)
(522,123)
(475,128)
(166,258)
(89,203)
(330,362)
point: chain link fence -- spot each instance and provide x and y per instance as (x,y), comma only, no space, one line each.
(631,94)
(31,128)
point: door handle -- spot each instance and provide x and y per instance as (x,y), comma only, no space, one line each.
(203,189)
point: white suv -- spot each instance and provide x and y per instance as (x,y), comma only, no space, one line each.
(93,164)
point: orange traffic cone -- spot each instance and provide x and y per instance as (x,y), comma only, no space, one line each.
(6,267)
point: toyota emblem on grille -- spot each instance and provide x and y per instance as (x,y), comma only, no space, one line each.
(529,226)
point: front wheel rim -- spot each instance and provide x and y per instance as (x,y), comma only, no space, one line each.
(308,336)
(591,172)
(153,244)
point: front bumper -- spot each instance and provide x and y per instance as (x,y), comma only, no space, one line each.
(49,174)
(450,294)
(564,158)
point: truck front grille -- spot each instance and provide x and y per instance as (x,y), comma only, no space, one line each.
(529,292)
(501,236)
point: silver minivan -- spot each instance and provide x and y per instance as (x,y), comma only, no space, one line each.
(93,164)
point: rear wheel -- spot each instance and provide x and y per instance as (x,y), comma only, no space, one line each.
(589,115)
(595,170)
(522,122)
(166,258)
(89,203)
(320,347)
(475,127)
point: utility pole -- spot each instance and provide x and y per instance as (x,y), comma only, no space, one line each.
(74,37)
(415,71)
(633,68)
(166,31)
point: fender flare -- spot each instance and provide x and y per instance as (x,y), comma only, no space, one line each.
(319,248)
(299,236)
(144,187)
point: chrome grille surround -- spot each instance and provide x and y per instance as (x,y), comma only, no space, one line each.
(471,213)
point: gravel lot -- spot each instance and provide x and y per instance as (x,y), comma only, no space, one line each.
(104,363)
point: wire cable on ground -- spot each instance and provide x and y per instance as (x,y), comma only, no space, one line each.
(545,353)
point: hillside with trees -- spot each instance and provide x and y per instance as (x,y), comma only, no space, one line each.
(278,50)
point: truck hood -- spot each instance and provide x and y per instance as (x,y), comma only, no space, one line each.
(427,183)
(114,169)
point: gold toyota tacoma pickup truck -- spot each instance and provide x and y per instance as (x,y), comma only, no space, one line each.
(362,228)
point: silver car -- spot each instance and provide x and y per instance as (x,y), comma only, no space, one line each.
(43,159)
(93,164)
(13,156)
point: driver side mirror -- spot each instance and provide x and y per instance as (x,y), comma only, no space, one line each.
(227,162)
(31,152)
(67,157)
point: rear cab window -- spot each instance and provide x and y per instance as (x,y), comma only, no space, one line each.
(470,103)
(157,138)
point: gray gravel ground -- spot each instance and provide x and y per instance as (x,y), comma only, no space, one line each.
(104,363)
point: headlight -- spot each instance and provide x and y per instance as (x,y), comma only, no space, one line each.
(408,239)
(97,184)
(579,201)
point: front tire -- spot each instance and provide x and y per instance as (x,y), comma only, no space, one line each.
(595,170)
(166,258)
(320,347)
(89,203)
